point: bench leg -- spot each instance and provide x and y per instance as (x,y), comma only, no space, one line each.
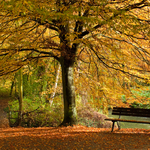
(113,126)
(118,125)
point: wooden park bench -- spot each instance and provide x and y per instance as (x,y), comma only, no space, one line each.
(128,112)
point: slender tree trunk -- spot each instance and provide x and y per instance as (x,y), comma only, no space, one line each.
(20,96)
(55,86)
(13,84)
(70,114)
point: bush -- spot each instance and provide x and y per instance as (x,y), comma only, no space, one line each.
(87,122)
(35,113)
(139,105)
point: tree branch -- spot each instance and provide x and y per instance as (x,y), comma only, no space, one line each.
(117,69)
(117,13)
(49,54)
(46,24)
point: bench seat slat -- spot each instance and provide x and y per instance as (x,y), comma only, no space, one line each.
(131,114)
(132,110)
(123,120)
(125,108)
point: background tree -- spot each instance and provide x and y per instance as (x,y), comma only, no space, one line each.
(109,35)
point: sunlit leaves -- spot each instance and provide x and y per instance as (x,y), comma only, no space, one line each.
(108,39)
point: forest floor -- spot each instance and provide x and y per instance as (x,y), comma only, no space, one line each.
(70,138)
(73,138)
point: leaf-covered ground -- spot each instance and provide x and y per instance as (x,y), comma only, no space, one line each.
(73,138)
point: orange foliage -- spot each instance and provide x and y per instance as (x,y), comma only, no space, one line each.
(108,39)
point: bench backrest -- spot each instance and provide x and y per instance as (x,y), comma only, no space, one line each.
(131,112)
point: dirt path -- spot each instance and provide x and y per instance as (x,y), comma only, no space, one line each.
(4,123)
(73,138)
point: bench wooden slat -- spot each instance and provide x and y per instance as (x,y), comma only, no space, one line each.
(130,109)
(123,120)
(131,112)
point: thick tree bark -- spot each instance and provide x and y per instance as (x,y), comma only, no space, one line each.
(70,114)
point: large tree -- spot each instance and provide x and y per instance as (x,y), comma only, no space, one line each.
(115,32)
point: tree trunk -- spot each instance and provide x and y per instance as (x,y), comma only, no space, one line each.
(70,114)
(20,97)
(55,86)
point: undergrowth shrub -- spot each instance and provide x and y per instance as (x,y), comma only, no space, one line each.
(35,113)
(39,114)
(89,117)
(87,122)
(139,105)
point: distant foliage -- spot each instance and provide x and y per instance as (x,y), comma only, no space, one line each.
(140,98)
